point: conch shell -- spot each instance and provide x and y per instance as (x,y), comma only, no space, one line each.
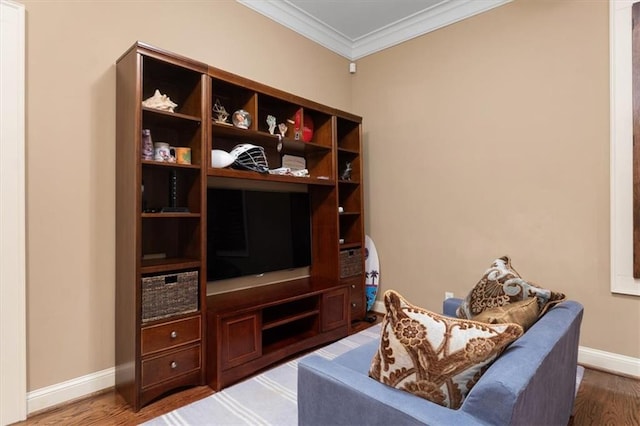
(159,101)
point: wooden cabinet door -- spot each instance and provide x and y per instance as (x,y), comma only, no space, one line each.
(241,339)
(335,309)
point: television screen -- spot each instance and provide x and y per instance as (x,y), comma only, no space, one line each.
(254,232)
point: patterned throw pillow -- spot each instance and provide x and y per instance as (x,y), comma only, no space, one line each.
(501,285)
(435,357)
(524,313)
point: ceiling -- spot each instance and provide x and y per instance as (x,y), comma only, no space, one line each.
(357,28)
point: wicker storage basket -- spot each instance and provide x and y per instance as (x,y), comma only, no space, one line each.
(350,262)
(168,295)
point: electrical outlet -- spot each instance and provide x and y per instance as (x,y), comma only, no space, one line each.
(448,295)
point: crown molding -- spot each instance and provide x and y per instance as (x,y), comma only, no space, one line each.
(293,18)
(444,13)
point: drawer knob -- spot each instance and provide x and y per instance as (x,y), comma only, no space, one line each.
(354,305)
(353,286)
(173,334)
(174,365)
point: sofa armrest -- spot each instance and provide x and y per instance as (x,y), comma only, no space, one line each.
(349,397)
(535,377)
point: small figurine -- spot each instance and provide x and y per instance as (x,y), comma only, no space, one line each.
(271,121)
(220,112)
(346,174)
(283,129)
(159,101)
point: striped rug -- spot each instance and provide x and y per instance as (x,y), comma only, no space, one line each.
(269,398)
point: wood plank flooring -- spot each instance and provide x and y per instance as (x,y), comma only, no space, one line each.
(603,399)
(108,408)
(607,399)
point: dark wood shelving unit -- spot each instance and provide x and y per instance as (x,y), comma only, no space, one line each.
(223,337)
(152,356)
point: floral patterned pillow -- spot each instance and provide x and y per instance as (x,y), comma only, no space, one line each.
(435,357)
(501,285)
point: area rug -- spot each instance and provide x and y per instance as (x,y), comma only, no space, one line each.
(269,398)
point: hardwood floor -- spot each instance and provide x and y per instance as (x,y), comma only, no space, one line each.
(108,408)
(607,399)
(603,399)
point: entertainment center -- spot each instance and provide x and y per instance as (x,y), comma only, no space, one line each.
(210,287)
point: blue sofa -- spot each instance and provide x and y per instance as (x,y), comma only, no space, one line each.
(531,383)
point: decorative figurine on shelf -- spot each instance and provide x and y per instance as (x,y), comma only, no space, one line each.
(346,173)
(241,119)
(159,101)
(271,121)
(283,129)
(221,113)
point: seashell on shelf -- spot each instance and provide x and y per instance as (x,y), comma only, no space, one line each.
(159,101)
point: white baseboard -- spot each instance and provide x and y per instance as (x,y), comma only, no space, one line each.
(620,364)
(60,393)
(378,306)
(69,390)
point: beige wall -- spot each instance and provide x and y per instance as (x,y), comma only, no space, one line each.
(491,137)
(71,51)
(485,138)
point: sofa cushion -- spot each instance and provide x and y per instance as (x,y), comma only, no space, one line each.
(500,285)
(523,312)
(435,357)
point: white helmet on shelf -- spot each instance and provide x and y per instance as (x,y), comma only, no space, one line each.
(250,157)
(221,159)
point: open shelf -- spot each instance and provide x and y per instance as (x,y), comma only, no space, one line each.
(153,163)
(168,115)
(291,318)
(249,175)
(167,215)
(273,345)
(152,266)
(266,139)
(347,245)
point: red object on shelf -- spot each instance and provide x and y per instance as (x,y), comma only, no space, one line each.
(307,126)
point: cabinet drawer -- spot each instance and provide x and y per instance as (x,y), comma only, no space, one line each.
(169,335)
(358,306)
(356,294)
(171,365)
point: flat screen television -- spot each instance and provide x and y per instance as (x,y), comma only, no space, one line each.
(252,232)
